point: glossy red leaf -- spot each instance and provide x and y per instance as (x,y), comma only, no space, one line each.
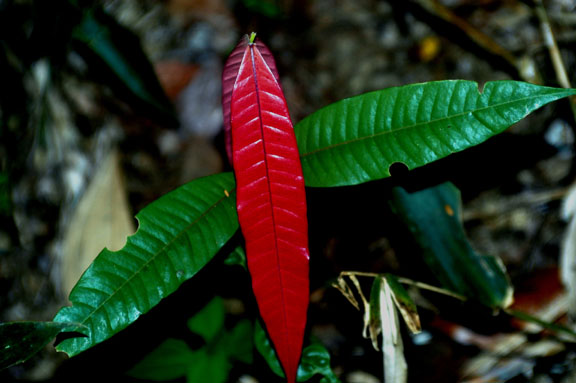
(271,199)
(229,76)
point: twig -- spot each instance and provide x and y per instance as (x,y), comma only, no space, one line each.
(524,66)
(552,45)
(555,56)
(425,286)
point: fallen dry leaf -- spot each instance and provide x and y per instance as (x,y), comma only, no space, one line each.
(174,76)
(101,219)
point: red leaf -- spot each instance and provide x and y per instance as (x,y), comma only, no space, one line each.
(271,199)
(229,76)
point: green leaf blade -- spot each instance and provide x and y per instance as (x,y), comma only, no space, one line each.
(98,35)
(178,234)
(169,361)
(315,358)
(209,321)
(357,139)
(21,340)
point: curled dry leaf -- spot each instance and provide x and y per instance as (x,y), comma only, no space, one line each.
(404,303)
(343,287)
(395,367)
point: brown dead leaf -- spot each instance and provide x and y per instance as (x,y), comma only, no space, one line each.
(365,304)
(174,76)
(343,287)
(197,8)
(101,219)
(541,296)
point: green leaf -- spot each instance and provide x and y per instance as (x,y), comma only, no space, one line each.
(168,361)
(268,8)
(209,321)
(21,340)
(174,359)
(433,217)
(205,367)
(315,358)
(265,348)
(5,198)
(357,139)
(237,257)
(120,51)
(239,342)
(375,323)
(178,234)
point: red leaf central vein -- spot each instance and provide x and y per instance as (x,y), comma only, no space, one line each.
(269,187)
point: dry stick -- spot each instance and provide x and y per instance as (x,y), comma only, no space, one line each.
(555,56)
(550,42)
(524,66)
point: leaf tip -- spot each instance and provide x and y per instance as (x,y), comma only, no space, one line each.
(252,38)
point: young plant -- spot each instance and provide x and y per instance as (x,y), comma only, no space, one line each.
(352,141)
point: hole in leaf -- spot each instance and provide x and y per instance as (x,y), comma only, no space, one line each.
(398,169)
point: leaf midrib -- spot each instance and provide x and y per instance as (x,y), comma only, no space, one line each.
(269,186)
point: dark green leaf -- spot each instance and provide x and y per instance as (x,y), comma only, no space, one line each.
(207,367)
(178,234)
(5,198)
(209,321)
(268,8)
(265,348)
(375,323)
(316,361)
(237,257)
(174,359)
(168,361)
(239,342)
(357,139)
(315,358)
(21,340)
(120,52)
(433,217)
